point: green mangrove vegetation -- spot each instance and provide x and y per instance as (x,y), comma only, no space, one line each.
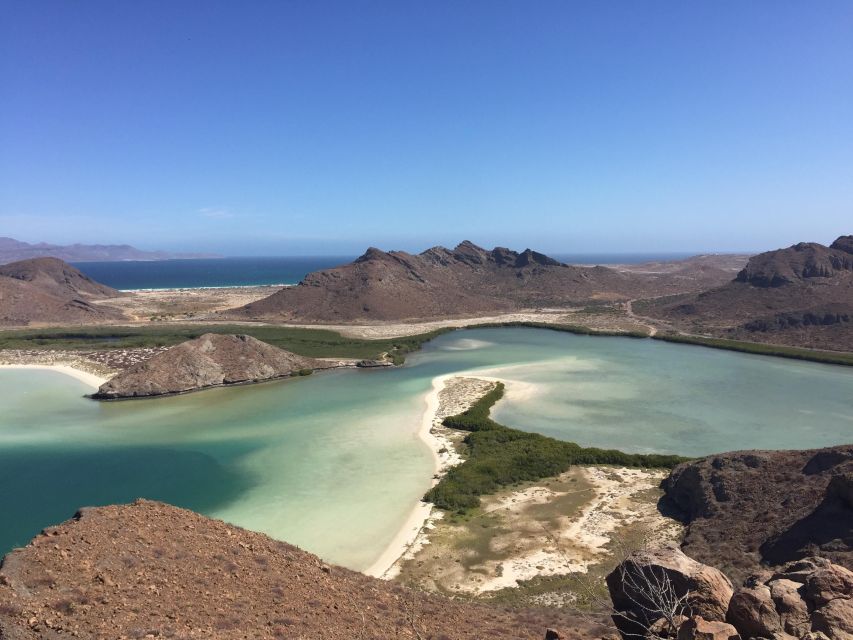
(762,349)
(497,456)
(316,343)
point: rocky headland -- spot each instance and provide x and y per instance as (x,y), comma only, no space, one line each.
(801,295)
(45,291)
(210,360)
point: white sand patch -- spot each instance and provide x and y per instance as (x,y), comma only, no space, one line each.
(86,377)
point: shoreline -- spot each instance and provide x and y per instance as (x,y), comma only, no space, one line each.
(85,377)
(422,513)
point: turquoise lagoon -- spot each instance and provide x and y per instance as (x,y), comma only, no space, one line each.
(333,463)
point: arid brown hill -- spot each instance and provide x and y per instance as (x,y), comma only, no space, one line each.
(746,508)
(441,282)
(47,290)
(207,361)
(802,295)
(152,570)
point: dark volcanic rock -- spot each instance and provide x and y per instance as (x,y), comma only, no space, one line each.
(207,361)
(152,570)
(752,508)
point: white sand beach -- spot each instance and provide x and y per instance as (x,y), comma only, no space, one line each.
(450,394)
(86,377)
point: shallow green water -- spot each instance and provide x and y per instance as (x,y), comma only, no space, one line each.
(332,462)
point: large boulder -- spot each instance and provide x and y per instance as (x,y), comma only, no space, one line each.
(650,582)
(807,597)
(697,628)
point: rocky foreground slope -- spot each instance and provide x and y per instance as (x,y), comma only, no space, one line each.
(749,509)
(802,295)
(466,280)
(210,360)
(152,570)
(49,291)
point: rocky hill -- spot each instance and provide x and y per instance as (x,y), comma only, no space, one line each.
(802,295)
(152,570)
(439,282)
(12,250)
(207,361)
(750,508)
(48,290)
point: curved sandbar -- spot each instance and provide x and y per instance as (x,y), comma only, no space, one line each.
(442,400)
(86,377)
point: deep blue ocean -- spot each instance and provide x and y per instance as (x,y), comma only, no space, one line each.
(235,272)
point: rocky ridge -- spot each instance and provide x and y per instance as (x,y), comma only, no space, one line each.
(801,295)
(440,282)
(749,509)
(207,361)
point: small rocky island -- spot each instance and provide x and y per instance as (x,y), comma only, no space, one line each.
(210,360)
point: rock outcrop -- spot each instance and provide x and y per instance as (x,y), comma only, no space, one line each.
(49,291)
(648,582)
(810,596)
(437,283)
(210,360)
(153,570)
(802,295)
(749,509)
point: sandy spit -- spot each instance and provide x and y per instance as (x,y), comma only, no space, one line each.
(450,394)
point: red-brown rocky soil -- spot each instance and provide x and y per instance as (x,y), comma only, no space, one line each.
(150,570)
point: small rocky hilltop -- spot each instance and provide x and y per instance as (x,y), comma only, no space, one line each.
(802,295)
(466,280)
(749,509)
(50,291)
(149,570)
(12,250)
(210,360)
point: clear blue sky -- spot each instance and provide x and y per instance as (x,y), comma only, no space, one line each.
(309,127)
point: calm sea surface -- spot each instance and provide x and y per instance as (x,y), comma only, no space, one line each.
(232,272)
(332,462)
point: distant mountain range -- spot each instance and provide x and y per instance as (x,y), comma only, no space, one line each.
(12,250)
(802,295)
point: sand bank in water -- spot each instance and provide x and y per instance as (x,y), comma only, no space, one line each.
(450,394)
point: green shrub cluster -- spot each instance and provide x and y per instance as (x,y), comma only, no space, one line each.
(761,349)
(498,456)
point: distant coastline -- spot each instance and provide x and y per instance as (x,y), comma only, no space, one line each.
(268,271)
